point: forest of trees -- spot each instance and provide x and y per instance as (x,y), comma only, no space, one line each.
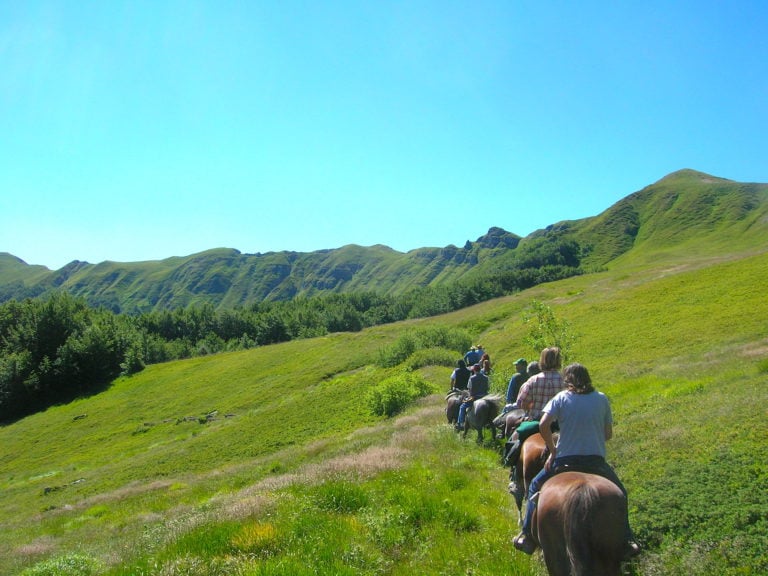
(57,348)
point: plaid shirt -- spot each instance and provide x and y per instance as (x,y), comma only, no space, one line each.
(538,390)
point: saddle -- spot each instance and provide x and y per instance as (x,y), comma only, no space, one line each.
(586,465)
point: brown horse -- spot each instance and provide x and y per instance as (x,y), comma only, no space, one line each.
(453,401)
(580,525)
(509,421)
(532,458)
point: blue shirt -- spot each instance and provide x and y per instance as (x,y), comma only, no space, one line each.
(478,385)
(514,386)
(582,419)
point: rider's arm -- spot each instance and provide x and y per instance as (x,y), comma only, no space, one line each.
(545,428)
(608,431)
(522,398)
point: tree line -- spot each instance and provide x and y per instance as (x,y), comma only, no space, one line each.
(57,348)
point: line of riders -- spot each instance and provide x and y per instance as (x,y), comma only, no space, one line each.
(573,419)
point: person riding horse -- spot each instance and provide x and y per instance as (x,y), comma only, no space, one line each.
(586,423)
(460,376)
(533,396)
(517,380)
(477,388)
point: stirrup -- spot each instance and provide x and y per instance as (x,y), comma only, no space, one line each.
(631,549)
(524,542)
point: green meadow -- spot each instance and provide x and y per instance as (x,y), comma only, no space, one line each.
(270,461)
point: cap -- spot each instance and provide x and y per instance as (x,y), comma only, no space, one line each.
(521,361)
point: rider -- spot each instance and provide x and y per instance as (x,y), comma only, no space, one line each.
(460,376)
(513,387)
(485,364)
(533,368)
(585,420)
(517,380)
(473,355)
(477,388)
(533,395)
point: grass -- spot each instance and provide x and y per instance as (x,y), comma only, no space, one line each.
(268,461)
(410,515)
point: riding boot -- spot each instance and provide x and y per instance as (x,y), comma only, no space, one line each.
(631,547)
(524,541)
(512,453)
(513,488)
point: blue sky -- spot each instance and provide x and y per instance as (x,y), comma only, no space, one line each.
(142,130)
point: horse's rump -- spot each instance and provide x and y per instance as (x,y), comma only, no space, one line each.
(453,400)
(508,421)
(533,455)
(580,524)
(482,412)
(493,400)
(455,393)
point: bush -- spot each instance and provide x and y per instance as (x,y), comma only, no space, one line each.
(423,338)
(546,330)
(397,352)
(431,357)
(69,565)
(393,394)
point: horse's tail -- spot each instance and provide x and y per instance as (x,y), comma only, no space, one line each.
(578,506)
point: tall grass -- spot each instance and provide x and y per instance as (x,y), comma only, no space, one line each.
(269,461)
(423,516)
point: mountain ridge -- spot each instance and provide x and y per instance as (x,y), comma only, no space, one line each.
(663,216)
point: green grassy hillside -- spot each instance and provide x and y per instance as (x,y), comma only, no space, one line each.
(269,462)
(686,214)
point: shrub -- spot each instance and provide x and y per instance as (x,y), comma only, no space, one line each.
(546,329)
(424,338)
(393,394)
(431,357)
(443,337)
(397,352)
(69,565)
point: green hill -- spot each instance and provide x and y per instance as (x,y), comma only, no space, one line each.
(671,217)
(269,461)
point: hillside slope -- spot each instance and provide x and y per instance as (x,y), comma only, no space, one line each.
(660,219)
(227,278)
(684,211)
(144,479)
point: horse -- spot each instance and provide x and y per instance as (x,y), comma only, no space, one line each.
(580,525)
(453,400)
(533,456)
(509,421)
(481,415)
